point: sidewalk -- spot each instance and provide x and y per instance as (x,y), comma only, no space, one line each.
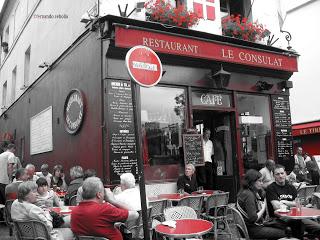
(4,232)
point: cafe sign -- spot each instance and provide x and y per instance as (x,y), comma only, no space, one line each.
(209,99)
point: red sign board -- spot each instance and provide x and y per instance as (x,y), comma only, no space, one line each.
(205,49)
(144,66)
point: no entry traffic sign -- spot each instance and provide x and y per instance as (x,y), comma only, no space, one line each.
(144,66)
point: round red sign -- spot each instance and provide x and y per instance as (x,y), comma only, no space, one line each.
(144,66)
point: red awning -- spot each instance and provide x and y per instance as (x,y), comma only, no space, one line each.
(306,128)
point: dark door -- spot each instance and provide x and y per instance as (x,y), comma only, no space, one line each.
(222,126)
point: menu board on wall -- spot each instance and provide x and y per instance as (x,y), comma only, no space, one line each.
(41,132)
(192,149)
(283,131)
(121,134)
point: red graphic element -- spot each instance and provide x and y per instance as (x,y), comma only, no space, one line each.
(198,8)
(205,49)
(144,66)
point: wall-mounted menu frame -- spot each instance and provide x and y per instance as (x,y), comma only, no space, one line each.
(193,149)
(121,132)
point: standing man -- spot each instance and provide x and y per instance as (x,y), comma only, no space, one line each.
(299,159)
(267,173)
(7,160)
(188,182)
(12,188)
(205,173)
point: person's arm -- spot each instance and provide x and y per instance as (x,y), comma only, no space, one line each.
(56,202)
(180,184)
(109,197)
(64,185)
(132,215)
(249,206)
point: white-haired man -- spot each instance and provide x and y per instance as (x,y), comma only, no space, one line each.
(188,182)
(95,217)
(130,194)
(31,172)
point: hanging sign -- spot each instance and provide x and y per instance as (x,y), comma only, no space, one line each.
(144,66)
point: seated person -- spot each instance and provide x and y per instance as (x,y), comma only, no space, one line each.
(187,182)
(23,208)
(57,180)
(46,198)
(76,175)
(95,217)
(45,173)
(313,169)
(280,193)
(31,170)
(267,174)
(296,177)
(11,190)
(129,195)
(88,173)
(252,206)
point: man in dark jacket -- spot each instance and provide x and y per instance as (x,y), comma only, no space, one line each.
(188,182)
(76,175)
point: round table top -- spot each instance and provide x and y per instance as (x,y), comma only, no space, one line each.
(172,196)
(185,228)
(65,211)
(205,193)
(294,214)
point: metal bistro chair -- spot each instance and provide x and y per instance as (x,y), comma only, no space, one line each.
(305,194)
(179,212)
(73,201)
(31,230)
(216,211)
(195,202)
(8,218)
(90,238)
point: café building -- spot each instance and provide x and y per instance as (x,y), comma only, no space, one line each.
(80,110)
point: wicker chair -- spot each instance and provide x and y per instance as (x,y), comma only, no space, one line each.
(8,218)
(73,201)
(195,202)
(179,212)
(136,226)
(90,238)
(305,194)
(31,230)
(157,209)
(216,211)
(241,228)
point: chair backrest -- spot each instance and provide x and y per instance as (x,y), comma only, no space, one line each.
(316,199)
(90,238)
(157,208)
(217,204)
(179,212)
(31,230)
(239,223)
(305,193)
(136,226)
(73,201)
(8,205)
(195,202)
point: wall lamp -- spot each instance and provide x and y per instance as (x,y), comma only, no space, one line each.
(138,8)
(263,86)
(284,85)
(44,65)
(221,78)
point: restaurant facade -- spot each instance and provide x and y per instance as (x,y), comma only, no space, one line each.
(79,111)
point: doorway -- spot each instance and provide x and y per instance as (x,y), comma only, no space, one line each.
(222,126)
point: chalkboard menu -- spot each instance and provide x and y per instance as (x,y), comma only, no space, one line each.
(283,131)
(121,135)
(192,149)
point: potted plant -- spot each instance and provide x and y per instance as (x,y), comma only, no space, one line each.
(163,12)
(239,27)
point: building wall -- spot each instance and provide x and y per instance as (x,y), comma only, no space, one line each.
(49,30)
(301,23)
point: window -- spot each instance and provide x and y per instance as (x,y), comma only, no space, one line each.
(163,120)
(4,94)
(255,130)
(13,84)
(27,66)
(228,7)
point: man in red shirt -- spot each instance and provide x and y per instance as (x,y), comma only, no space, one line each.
(94,217)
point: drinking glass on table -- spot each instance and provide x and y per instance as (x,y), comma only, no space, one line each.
(181,191)
(200,189)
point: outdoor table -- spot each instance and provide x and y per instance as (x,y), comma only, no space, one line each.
(185,228)
(205,193)
(61,194)
(174,197)
(306,213)
(60,210)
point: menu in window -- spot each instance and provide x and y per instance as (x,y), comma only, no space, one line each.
(283,131)
(192,149)
(121,133)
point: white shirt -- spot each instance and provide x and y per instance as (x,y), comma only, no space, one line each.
(207,150)
(48,177)
(131,198)
(267,176)
(5,159)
